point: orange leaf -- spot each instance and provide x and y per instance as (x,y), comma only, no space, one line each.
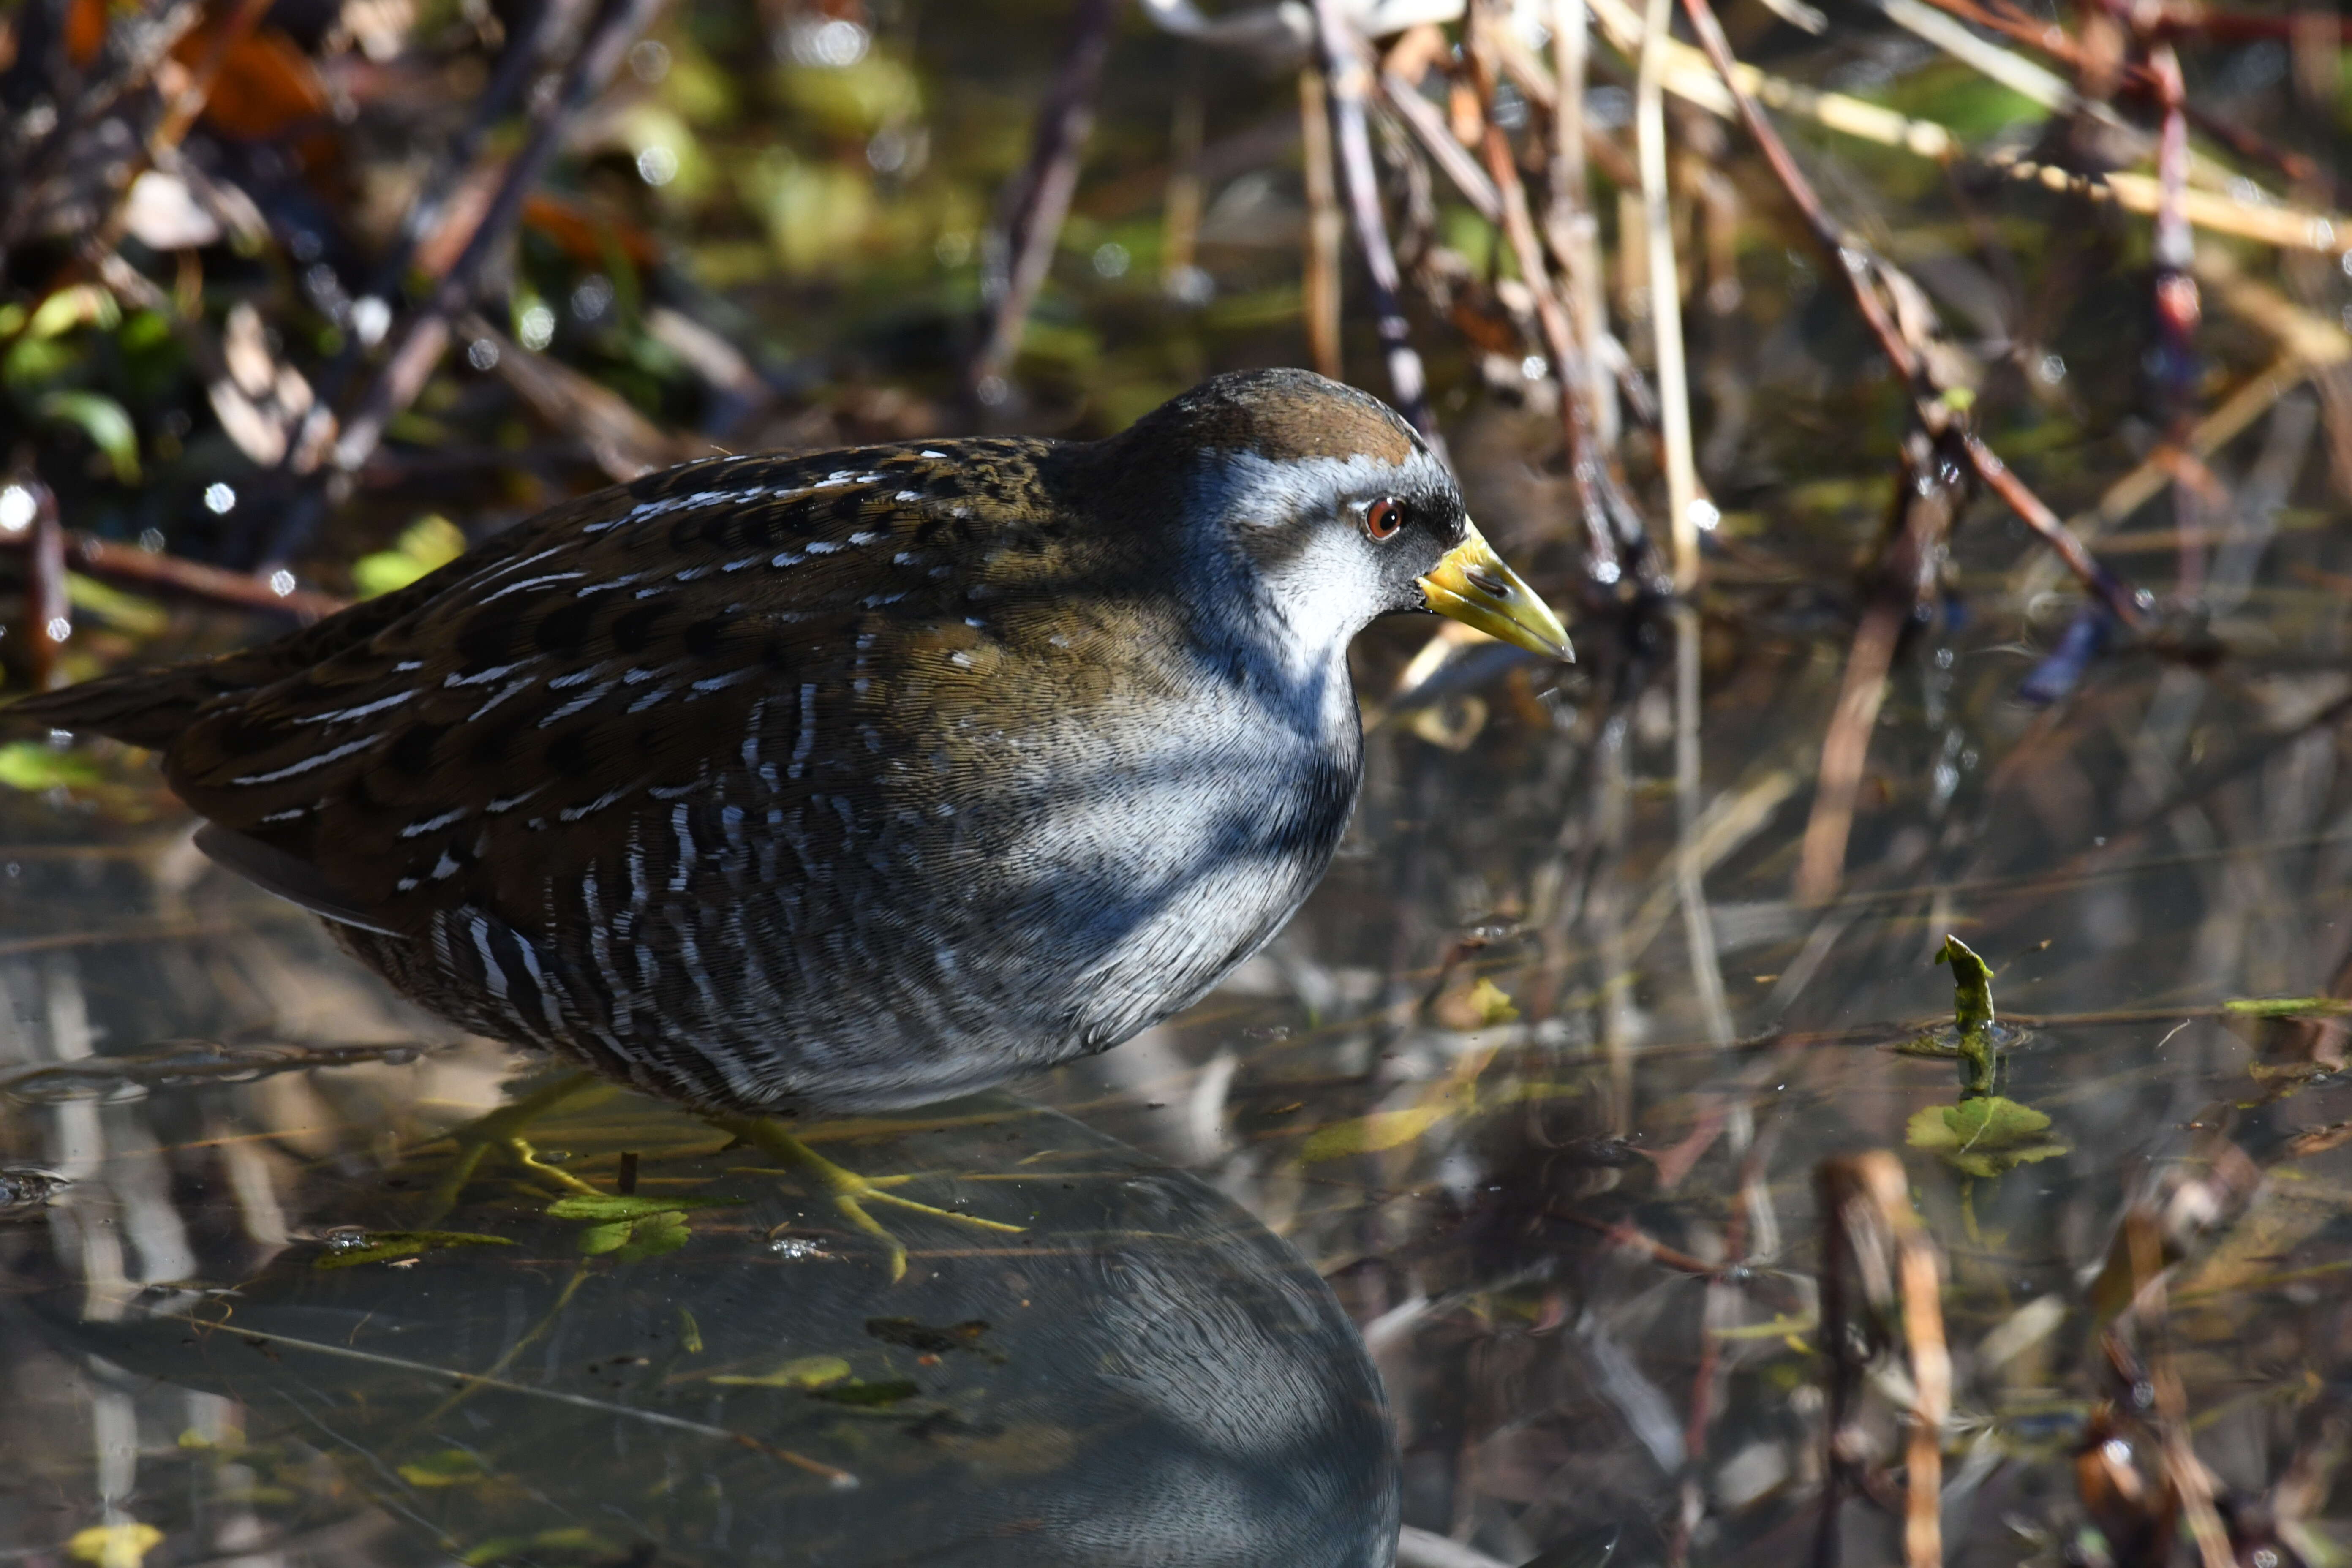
(85,30)
(583,232)
(266,85)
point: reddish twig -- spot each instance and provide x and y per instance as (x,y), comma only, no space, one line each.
(51,549)
(552,20)
(1852,262)
(418,346)
(1035,203)
(48,614)
(1345,77)
(1921,517)
(1428,126)
(1598,499)
(2139,80)
(195,580)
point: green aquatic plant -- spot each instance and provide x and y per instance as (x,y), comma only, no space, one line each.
(631,1227)
(1987,1133)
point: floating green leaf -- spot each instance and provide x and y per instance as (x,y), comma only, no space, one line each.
(857,1393)
(599,1239)
(629,1226)
(376,1245)
(447,1468)
(573,1541)
(1985,1136)
(801,1371)
(1370,1134)
(652,1235)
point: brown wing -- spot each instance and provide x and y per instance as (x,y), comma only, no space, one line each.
(556,702)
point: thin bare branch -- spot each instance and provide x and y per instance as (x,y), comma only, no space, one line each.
(552,21)
(180,577)
(1348,77)
(1570,227)
(418,348)
(1601,500)
(1665,295)
(1326,229)
(1029,226)
(1853,263)
(1872,1237)
(1428,126)
(48,614)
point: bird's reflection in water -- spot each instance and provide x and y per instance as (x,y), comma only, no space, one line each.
(591,1328)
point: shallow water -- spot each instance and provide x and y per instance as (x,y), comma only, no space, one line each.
(1582,1243)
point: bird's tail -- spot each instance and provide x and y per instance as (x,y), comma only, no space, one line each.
(144,707)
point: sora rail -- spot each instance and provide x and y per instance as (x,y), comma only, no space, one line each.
(846,781)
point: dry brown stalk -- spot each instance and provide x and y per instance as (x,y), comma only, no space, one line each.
(1569,228)
(1038,200)
(1600,500)
(1542,87)
(453,169)
(418,344)
(1346,78)
(1872,1236)
(2286,226)
(625,443)
(1821,863)
(1429,127)
(2140,78)
(1665,295)
(1324,227)
(2158,1395)
(188,579)
(48,614)
(1852,262)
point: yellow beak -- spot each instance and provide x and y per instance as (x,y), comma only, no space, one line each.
(1472,586)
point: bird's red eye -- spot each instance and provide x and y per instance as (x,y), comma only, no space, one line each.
(1383,517)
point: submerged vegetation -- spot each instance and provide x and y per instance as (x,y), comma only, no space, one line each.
(1940,417)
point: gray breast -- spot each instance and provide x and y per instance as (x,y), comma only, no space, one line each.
(1069,885)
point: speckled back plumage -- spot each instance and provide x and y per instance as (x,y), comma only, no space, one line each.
(851,779)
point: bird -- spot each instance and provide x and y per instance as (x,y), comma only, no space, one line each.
(842,782)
